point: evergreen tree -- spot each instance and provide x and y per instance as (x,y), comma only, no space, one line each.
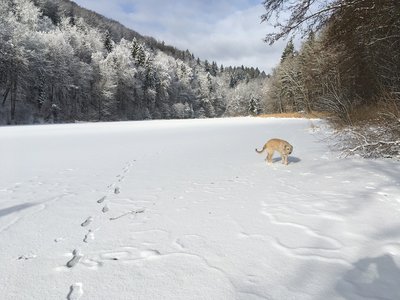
(207,67)
(214,69)
(254,108)
(288,51)
(141,56)
(108,43)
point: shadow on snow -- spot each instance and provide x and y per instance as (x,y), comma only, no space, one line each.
(15,208)
(371,277)
(291,159)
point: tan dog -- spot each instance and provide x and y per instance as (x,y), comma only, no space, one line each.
(283,147)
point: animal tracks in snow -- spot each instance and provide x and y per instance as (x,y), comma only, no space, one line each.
(101,200)
(114,189)
(75,292)
(27,256)
(89,236)
(75,259)
(105,209)
(87,222)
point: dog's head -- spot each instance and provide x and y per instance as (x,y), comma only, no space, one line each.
(288,148)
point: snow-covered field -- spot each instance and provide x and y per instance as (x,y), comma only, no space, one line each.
(187,210)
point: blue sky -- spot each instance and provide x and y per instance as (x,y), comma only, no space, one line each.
(226,31)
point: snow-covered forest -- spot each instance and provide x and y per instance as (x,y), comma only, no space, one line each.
(348,61)
(347,65)
(62,63)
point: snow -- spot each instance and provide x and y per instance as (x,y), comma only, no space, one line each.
(188,210)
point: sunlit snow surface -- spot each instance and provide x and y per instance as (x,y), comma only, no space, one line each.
(188,210)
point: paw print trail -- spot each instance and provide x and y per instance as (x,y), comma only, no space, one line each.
(76,290)
(115,188)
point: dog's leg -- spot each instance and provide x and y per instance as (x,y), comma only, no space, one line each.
(269,156)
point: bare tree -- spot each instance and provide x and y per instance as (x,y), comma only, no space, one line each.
(305,16)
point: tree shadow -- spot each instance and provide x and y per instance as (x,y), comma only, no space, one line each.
(369,277)
(15,208)
(372,278)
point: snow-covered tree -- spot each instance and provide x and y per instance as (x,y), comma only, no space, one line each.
(60,63)
(18,20)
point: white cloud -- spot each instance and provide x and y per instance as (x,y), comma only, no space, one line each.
(237,39)
(226,31)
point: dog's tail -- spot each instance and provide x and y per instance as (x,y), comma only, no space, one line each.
(262,150)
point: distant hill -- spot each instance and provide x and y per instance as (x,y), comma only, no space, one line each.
(54,8)
(60,62)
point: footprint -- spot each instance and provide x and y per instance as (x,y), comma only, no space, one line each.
(26,257)
(89,236)
(101,199)
(75,291)
(87,222)
(77,257)
(116,190)
(105,209)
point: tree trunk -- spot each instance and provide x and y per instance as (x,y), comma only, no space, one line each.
(13,100)
(5,95)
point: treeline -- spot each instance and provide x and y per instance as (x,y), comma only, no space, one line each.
(349,65)
(62,63)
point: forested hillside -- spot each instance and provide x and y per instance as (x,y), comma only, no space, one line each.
(348,66)
(62,63)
